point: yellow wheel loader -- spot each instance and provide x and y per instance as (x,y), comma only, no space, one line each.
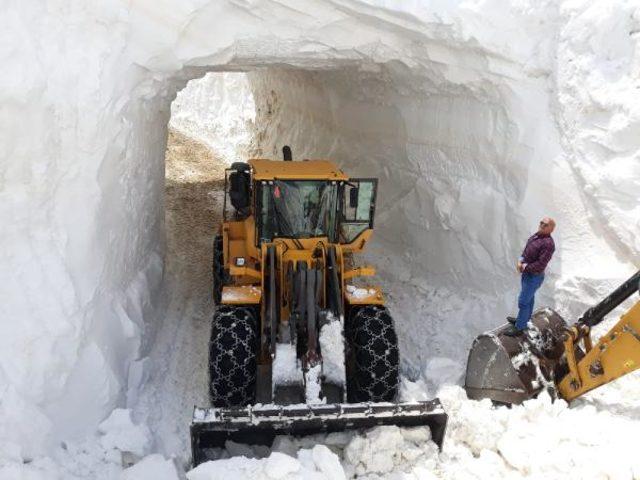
(554,356)
(296,346)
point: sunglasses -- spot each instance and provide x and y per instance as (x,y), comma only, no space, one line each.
(544,224)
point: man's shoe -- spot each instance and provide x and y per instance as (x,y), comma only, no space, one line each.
(512,320)
(513,332)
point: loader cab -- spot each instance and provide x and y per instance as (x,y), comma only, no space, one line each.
(338,210)
(357,208)
(296,209)
(300,200)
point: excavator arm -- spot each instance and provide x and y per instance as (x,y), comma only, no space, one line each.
(616,353)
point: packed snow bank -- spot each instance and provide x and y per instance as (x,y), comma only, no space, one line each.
(217,109)
(597,71)
(478,117)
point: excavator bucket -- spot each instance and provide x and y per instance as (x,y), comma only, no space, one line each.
(260,424)
(513,369)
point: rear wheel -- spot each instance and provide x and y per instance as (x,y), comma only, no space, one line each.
(220,276)
(232,357)
(373,357)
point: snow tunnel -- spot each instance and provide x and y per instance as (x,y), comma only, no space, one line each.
(458,124)
(451,138)
(453,160)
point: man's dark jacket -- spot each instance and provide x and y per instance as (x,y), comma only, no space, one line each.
(537,253)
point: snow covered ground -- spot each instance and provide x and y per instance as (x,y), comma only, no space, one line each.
(478,116)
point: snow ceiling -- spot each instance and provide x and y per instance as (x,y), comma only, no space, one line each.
(477,118)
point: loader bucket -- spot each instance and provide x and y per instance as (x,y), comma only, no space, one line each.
(259,425)
(513,369)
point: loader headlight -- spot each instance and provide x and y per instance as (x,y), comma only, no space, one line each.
(240,262)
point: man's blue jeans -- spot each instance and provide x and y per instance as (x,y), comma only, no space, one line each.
(530,283)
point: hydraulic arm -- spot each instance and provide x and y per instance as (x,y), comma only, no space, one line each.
(616,353)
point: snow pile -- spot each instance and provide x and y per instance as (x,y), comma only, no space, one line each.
(384,450)
(537,440)
(477,116)
(285,369)
(118,431)
(217,109)
(317,463)
(332,347)
(312,385)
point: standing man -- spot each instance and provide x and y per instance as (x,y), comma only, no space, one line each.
(534,259)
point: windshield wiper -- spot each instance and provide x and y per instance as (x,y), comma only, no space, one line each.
(285,221)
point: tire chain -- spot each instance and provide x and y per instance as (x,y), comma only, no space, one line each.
(376,357)
(219,275)
(232,357)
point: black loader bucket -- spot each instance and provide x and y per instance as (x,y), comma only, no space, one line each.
(259,425)
(513,369)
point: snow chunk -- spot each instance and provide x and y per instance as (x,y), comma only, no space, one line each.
(332,348)
(312,385)
(327,462)
(118,431)
(286,367)
(152,467)
(360,292)
(413,391)
(280,465)
(387,448)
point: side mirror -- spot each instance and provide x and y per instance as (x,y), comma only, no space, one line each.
(353,197)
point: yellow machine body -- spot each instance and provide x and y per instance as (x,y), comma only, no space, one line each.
(616,354)
(239,241)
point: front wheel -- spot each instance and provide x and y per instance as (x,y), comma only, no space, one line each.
(373,357)
(232,357)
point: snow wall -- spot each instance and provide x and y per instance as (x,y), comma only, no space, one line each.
(477,117)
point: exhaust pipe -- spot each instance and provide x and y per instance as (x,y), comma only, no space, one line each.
(286,153)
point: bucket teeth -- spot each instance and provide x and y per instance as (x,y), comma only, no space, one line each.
(213,427)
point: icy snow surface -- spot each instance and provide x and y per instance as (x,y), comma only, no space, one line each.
(359,292)
(477,116)
(312,386)
(286,369)
(332,347)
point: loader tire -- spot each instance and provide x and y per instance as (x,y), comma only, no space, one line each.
(220,276)
(232,357)
(373,357)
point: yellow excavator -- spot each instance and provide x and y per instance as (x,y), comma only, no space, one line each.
(554,356)
(297,345)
